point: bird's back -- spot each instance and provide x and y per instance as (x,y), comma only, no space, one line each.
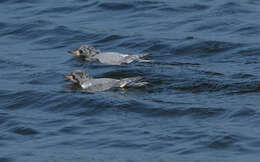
(101,84)
(113,58)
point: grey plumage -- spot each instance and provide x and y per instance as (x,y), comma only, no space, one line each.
(101,84)
(89,53)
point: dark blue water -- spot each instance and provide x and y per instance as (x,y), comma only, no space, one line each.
(202,103)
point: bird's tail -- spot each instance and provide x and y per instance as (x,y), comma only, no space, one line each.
(143,55)
(144,60)
(129,81)
(139,57)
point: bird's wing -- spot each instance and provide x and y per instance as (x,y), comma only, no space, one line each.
(100,84)
(112,58)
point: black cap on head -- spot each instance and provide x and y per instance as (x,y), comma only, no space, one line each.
(78,76)
(87,51)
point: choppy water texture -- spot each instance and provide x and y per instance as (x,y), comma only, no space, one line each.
(202,103)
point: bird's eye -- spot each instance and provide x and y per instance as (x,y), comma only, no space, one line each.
(80,51)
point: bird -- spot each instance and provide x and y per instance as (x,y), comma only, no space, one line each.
(91,84)
(91,54)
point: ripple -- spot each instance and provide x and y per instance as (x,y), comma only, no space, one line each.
(63,36)
(3,1)
(174,112)
(30,30)
(205,85)
(158,47)
(11,64)
(115,6)
(24,131)
(245,87)
(205,47)
(248,30)
(3,25)
(184,8)
(59,10)
(109,39)
(242,76)
(249,51)
(3,118)
(5,159)
(43,78)
(211,73)
(54,122)
(23,99)
(231,8)
(17,1)
(123,73)
(244,113)
(71,130)
(200,85)
(213,26)
(222,142)
(195,7)
(171,63)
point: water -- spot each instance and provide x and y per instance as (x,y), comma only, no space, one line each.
(202,103)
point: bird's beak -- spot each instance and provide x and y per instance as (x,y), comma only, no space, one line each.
(74,52)
(69,77)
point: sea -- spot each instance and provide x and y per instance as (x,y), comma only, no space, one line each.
(202,103)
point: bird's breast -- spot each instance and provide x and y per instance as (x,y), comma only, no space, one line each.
(86,85)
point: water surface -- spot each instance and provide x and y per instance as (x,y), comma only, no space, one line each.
(202,103)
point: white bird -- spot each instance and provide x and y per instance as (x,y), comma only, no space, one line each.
(89,53)
(101,84)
